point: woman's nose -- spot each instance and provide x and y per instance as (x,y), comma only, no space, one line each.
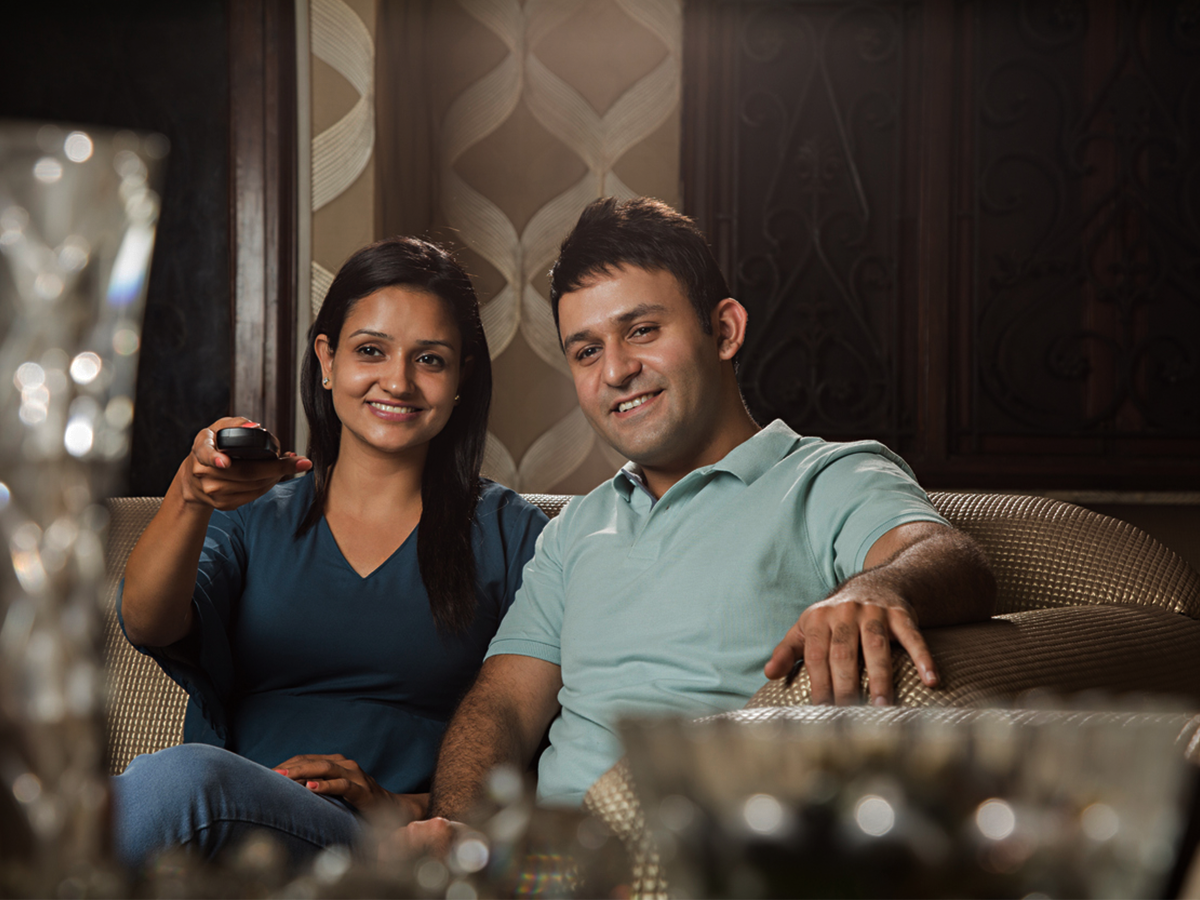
(397,378)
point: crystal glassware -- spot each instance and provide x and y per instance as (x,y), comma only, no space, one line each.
(78,212)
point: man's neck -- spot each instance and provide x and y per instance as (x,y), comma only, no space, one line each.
(660,479)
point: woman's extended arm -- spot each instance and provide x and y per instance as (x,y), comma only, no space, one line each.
(156,604)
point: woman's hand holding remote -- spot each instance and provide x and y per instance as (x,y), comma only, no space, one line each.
(214,479)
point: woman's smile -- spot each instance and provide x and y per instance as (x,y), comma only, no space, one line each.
(394,411)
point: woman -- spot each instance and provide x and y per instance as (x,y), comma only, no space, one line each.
(344,612)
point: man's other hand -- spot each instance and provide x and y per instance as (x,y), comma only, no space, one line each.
(829,635)
(428,837)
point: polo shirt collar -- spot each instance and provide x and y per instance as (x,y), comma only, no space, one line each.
(748,461)
(753,458)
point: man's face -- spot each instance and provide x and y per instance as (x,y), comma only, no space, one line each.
(647,376)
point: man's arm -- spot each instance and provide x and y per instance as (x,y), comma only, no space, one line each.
(501,720)
(922,573)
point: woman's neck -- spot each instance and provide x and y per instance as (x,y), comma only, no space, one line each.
(375,486)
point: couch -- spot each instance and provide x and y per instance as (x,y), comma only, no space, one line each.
(1085,603)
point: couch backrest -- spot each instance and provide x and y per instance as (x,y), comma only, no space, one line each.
(1046,553)
(144,709)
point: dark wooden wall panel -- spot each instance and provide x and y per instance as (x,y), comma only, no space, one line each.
(970,229)
(263,212)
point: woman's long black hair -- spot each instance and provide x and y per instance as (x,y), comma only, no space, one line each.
(450,481)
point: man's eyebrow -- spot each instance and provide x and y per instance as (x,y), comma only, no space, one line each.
(642,309)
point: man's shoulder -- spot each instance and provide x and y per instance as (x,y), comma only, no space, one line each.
(807,455)
(581,510)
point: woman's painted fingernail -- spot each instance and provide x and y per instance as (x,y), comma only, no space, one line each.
(312,785)
(219,462)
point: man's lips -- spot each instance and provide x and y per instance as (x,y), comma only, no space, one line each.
(634,402)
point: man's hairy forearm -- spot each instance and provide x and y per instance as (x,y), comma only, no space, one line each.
(945,576)
(500,721)
(479,738)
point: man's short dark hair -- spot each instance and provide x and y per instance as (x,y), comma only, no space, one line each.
(644,233)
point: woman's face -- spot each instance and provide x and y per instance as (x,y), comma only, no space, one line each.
(396,371)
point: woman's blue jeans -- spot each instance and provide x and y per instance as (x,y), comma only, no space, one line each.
(205,799)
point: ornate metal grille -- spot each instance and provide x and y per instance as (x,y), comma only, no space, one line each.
(970,228)
(817,111)
(1085,285)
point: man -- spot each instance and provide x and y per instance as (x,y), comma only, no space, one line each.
(664,589)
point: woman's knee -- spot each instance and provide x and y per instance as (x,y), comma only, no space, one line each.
(184,764)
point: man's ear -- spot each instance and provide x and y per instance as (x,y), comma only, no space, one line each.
(729,327)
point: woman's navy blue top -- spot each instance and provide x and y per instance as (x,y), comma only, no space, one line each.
(294,652)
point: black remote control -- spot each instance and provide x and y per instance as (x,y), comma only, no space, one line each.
(247,443)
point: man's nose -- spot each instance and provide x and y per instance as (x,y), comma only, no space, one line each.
(620,365)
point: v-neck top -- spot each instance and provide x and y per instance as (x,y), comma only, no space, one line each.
(294,652)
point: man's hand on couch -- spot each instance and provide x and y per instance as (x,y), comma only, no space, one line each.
(920,571)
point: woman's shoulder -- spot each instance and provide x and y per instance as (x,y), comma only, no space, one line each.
(499,502)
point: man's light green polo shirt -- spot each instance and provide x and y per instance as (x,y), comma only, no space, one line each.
(675,606)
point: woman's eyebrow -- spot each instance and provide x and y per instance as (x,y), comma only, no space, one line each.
(421,342)
(369,333)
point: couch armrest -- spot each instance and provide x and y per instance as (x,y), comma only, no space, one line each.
(1114,649)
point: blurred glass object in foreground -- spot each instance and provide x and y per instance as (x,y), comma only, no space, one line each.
(866,802)
(78,211)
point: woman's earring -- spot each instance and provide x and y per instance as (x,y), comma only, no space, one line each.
(456,398)
(325,381)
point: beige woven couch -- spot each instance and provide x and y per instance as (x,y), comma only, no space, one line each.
(1085,603)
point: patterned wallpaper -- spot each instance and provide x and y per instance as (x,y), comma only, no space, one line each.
(539,108)
(343,135)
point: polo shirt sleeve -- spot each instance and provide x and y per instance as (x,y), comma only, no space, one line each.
(856,498)
(533,624)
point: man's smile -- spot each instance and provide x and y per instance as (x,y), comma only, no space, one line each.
(636,401)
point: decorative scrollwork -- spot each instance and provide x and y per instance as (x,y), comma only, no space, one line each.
(816,246)
(1085,215)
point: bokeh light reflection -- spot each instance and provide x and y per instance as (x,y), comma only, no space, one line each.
(78,147)
(995,819)
(763,814)
(29,375)
(47,170)
(1100,822)
(85,367)
(874,815)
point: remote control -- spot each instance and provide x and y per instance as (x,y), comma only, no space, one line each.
(247,443)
